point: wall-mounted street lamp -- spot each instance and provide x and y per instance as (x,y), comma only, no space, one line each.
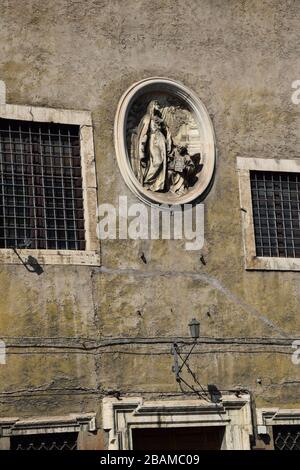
(31,264)
(181,361)
(194,327)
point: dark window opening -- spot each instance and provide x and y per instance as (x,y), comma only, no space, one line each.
(55,441)
(276,213)
(286,437)
(191,438)
(40,186)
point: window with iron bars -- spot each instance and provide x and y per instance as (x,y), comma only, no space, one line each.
(55,441)
(276,213)
(286,437)
(41,198)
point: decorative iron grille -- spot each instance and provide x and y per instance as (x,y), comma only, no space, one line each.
(41,200)
(276,213)
(57,441)
(286,437)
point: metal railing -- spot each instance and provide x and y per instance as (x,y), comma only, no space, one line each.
(41,196)
(276,213)
(286,437)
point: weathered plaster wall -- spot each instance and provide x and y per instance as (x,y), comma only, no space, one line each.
(240,58)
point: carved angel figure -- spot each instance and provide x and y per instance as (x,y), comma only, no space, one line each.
(180,168)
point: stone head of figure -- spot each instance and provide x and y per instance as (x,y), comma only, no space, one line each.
(183,150)
(153,107)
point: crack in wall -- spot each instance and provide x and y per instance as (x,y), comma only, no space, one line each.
(214,282)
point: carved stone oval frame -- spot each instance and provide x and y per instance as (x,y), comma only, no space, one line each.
(180,91)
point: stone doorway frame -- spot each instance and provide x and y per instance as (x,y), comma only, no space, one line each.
(120,416)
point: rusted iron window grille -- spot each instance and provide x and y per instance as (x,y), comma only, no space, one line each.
(40,186)
(286,437)
(276,213)
(55,441)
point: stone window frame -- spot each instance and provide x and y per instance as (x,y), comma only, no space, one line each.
(244,166)
(91,255)
(80,423)
(269,417)
(120,416)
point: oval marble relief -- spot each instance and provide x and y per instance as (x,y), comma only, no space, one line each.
(164,142)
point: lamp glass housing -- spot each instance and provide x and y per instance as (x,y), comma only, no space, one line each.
(194,326)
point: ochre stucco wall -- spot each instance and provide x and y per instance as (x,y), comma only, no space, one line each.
(240,59)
